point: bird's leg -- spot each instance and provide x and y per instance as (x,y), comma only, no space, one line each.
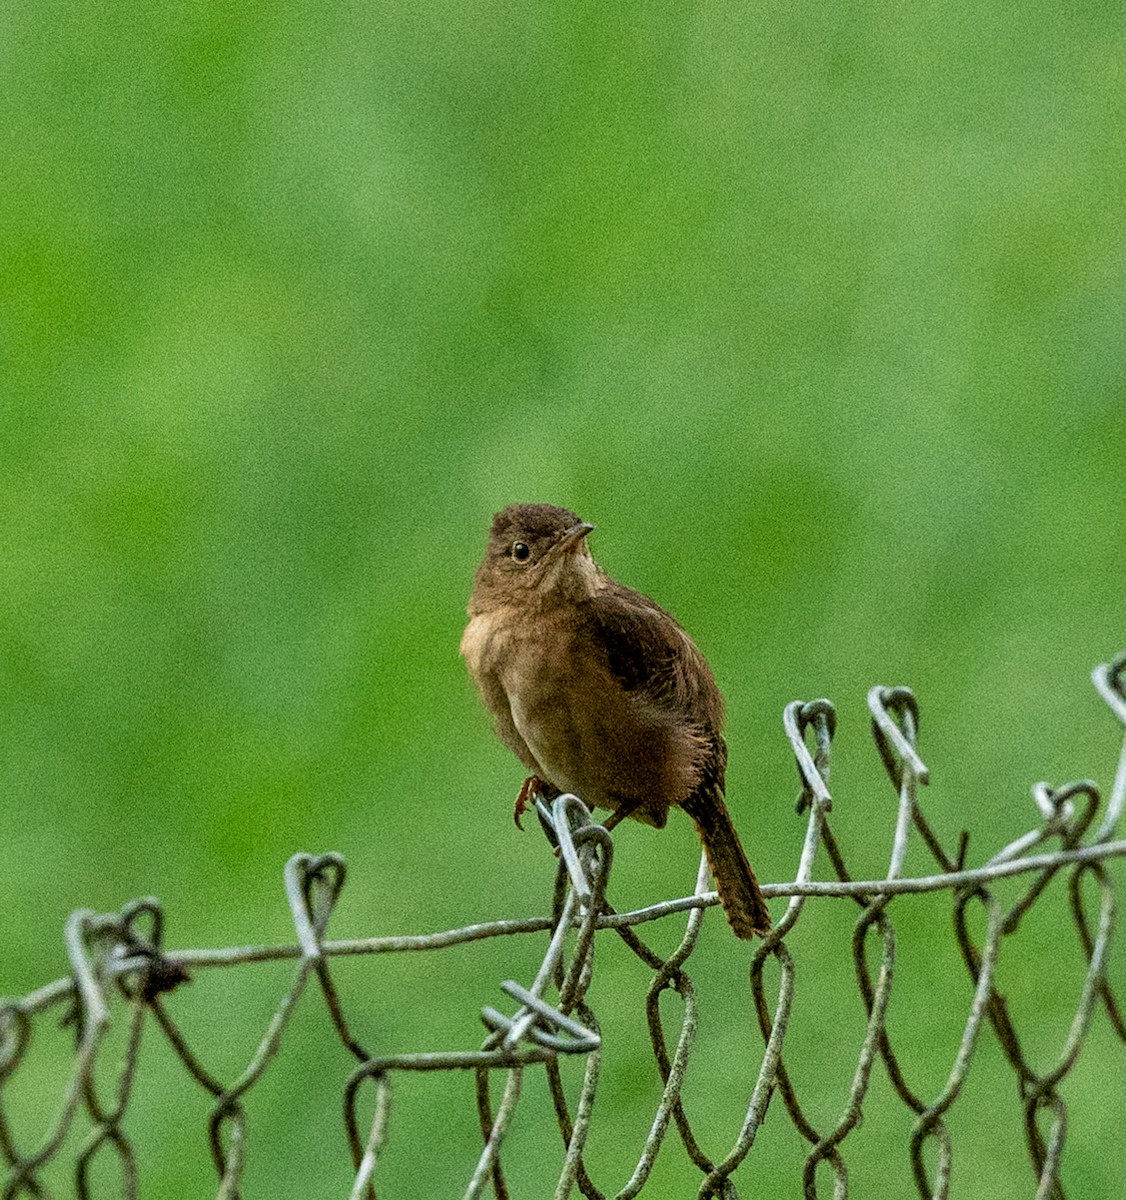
(625,809)
(528,789)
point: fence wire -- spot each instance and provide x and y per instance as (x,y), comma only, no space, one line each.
(121,957)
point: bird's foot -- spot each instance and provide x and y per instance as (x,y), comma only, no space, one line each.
(526,799)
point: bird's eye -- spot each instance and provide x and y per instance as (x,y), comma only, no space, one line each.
(521,551)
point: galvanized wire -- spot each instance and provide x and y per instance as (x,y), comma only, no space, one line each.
(123,955)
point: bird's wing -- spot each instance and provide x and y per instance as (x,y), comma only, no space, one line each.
(669,680)
(651,656)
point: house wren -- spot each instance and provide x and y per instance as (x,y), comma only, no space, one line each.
(599,691)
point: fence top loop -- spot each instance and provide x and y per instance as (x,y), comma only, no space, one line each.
(132,912)
(886,704)
(813,772)
(1110,679)
(155,973)
(81,927)
(312,886)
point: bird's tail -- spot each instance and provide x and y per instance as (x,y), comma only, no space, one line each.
(743,903)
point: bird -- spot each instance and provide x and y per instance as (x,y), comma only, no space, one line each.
(600,692)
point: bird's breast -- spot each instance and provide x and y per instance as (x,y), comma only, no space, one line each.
(478,643)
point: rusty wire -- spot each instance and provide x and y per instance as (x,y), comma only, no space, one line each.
(123,954)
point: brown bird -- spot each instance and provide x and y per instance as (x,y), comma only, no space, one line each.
(598,691)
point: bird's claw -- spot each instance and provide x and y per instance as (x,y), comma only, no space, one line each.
(524,800)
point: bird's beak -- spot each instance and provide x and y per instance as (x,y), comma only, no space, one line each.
(573,536)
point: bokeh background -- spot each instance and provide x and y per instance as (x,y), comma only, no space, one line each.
(816,311)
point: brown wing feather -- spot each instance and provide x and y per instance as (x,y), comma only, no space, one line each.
(649,653)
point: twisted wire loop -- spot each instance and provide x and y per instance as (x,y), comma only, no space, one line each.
(120,973)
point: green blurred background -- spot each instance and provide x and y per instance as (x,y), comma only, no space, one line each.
(815,311)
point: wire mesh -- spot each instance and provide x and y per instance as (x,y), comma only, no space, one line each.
(120,957)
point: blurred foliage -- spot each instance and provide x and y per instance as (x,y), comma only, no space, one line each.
(815,311)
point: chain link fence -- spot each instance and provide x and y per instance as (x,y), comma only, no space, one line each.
(120,966)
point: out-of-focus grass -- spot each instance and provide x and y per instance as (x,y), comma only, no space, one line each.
(815,312)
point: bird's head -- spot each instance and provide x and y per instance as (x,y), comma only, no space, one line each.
(536,551)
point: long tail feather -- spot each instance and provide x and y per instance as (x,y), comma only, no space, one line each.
(743,902)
